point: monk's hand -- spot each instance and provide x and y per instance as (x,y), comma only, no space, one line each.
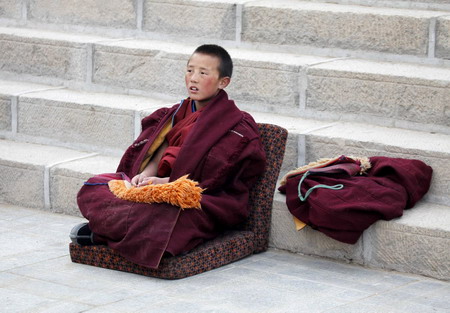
(153,180)
(136,180)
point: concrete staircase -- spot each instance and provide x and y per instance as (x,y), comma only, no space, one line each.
(360,77)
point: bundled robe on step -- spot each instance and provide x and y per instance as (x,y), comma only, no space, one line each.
(222,152)
(389,187)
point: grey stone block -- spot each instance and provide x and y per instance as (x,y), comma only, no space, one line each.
(269,82)
(29,52)
(23,166)
(96,120)
(5,114)
(10,9)
(307,241)
(68,178)
(141,65)
(339,26)
(201,19)
(417,242)
(114,14)
(290,154)
(443,38)
(366,90)
(21,184)
(276,88)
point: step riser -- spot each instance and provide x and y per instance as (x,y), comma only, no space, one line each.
(103,129)
(43,58)
(385,245)
(391,247)
(218,20)
(380,102)
(308,90)
(116,13)
(146,70)
(304,24)
(22,184)
(367,32)
(64,187)
(442,38)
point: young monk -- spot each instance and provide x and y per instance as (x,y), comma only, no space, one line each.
(205,137)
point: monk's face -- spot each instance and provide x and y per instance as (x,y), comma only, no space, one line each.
(202,78)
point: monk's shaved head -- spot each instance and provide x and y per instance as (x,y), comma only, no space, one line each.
(225,64)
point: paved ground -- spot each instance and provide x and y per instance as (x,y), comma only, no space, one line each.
(36,275)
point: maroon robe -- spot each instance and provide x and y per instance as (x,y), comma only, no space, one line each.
(390,186)
(222,152)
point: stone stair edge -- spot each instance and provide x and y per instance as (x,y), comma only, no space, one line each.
(86,163)
(297,126)
(401,4)
(433,217)
(239,42)
(290,63)
(342,6)
(402,244)
(306,66)
(158,46)
(428,142)
(435,142)
(56,185)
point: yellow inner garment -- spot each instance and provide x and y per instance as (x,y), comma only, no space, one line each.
(156,144)
(298,224)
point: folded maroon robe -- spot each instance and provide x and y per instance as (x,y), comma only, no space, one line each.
(389,187)
(222,152)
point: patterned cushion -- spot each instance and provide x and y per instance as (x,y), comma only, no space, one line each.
(229,247)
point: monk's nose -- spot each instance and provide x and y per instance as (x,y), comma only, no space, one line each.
(194,77)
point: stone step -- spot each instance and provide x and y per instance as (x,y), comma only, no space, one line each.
(310,140)
(442,5)
(416,243)
(29,179)
(383,93)
(96,122)
(108,123)
(49,177)
(329,29)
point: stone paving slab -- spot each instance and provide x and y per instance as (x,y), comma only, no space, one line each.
(37,275)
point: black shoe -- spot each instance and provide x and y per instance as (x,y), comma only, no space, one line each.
(81,234)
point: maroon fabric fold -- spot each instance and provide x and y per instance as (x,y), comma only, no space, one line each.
(390,186)
(184,120)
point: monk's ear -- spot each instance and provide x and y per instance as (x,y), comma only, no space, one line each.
(224,82)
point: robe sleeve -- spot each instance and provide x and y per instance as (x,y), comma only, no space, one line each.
(229,176)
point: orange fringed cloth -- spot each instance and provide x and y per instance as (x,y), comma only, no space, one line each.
(183,192)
